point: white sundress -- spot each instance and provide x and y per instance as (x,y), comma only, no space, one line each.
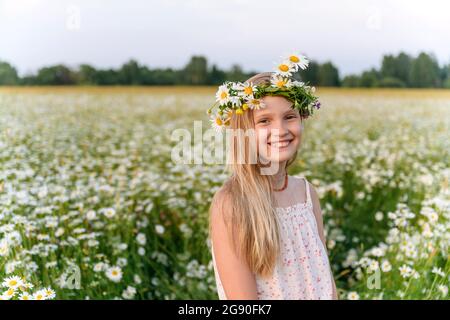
(303,272)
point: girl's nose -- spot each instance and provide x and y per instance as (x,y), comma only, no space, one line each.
(281,126)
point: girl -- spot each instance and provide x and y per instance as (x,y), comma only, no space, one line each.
(266,230)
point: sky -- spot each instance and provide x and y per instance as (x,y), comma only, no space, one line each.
(254,34)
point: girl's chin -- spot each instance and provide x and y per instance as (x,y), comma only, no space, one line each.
(280,154)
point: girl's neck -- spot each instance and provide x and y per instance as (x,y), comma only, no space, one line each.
(278,177)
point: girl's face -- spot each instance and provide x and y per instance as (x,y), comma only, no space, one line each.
(278,129)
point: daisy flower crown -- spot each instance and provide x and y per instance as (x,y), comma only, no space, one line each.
(238,97)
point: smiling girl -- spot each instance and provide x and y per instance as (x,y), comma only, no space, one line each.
(266,229)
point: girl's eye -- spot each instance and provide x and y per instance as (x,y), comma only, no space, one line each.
(263,121)
(291,117)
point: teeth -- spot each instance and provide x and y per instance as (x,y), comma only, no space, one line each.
(280,144)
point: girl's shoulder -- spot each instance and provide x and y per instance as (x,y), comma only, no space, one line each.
(225,188)
(300,182)
(306,186)
(222,198)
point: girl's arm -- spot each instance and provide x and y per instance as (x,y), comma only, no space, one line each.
(318,214)
(237,280)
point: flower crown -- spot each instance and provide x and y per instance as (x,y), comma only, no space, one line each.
(238,97)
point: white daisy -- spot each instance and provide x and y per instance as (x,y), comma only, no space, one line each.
(25,296)
(298,61)
(90,215)
(236,101)
(236,85)
(141,238)
(4,248)
(27,285)
(373,266)
(438,271)
(13,282)
(40,295)
(129,292)
(137,279)
(109,212)
(386,266)
(279,81)
(114,273)
(8,294)
(296,83)
(353,296)
(159,229)
(285,68)
(246,90)
(377,252)
(49,293)
(122,262)
(59,232)
(256,104)
(379,216)
(443,289)
(433,216)
(223,94)
(217,123)
(100,266)
(405,271)
(122,246)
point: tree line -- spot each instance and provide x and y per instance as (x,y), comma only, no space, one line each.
(399,71)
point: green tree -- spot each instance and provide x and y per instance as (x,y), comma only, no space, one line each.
(28,80)
(167,76)
(107,77)
(369,79)
(403,67)
(446,83)
(388,66)
(328,75)
(8,74)
(130,73)
(445,75)
(196,71)
(216,76)
(424,71)
(396,67)
(87,75)
(351,81)
(146,76)
(236,74)
(55,75)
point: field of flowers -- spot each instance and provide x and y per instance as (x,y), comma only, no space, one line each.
(92,207)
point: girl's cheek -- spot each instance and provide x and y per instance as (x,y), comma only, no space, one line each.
(261,136)
(295,129)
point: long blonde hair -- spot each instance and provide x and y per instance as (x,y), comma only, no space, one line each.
(252,224)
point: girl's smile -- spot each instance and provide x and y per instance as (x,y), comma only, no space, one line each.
(280,144)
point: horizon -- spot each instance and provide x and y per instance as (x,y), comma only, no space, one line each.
(210,64)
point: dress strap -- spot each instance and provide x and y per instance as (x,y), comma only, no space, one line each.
(308,196)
